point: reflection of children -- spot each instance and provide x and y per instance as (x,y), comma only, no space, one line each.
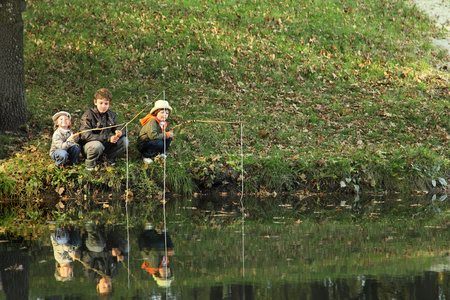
(152,247)
(64,147)
(65,250)
(110,142)
(153,136)
(103,251)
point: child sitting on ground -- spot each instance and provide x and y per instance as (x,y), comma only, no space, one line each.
(153,138)
(64,148)
(99,135)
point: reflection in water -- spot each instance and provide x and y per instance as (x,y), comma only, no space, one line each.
(66,243)
(102,251)
(286,256)
(155,248)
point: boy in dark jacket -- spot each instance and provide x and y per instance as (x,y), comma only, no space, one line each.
(110,141)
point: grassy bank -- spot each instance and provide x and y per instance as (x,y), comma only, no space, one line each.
(343,96)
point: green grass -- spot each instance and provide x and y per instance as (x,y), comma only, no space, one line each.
(326,89)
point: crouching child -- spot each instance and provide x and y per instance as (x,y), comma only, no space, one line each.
(64,149)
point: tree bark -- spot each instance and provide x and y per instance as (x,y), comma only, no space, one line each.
(13,110)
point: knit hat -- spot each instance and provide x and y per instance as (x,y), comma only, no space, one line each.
(59,114)
(61,236)
(161,104)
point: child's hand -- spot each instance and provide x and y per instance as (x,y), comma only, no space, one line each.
(170,133)
(74,137)
(114,139)
(118,133)
(115,252)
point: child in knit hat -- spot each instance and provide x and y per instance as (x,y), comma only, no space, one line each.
(64,149)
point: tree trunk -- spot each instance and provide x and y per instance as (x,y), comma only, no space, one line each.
(13,110)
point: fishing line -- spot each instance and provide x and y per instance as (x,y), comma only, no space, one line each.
(127,216)
(164,201)
(242,202)
(126,208)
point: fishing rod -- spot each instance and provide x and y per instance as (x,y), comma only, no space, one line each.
(117,125)
(87,266)
(145,108)
(129,272)
(93,129)
(203,121)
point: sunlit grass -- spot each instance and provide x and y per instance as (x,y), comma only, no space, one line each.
(323,88)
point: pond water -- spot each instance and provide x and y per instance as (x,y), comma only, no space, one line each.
(290,247)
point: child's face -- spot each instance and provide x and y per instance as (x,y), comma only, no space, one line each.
(63,122)
(66,270)
(165,272)
(163,115)
(102,105)
(104,286)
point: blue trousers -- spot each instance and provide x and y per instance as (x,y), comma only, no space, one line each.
(70,156)
(154,147)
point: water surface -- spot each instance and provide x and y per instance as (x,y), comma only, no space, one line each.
(372,247)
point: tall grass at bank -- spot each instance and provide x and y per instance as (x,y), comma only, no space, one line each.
(326,90)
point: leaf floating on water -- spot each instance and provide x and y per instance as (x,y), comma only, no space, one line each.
(94,196)
(433,183)
(60,190)
(442,181)
(443,197)
(60,205)
(303,177)
(14,268)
